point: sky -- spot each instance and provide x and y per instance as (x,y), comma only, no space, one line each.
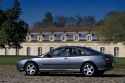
(34,10)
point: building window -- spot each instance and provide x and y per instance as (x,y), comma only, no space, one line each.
(102,49)
(116,51)
(28,38)
(6,51)
(40,38)
(17,51)
(76,37)
(51,38)
(39,51)
(51,48)
(28,51)
(63,37)
(89,38)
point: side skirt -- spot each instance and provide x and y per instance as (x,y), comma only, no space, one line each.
(59,70)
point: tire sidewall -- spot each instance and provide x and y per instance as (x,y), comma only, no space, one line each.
(36,69)
(82,69)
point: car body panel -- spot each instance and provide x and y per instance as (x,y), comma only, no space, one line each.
(69,63)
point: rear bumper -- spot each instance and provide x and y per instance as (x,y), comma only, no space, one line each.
(106,66)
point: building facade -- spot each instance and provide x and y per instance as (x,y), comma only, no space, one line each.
(39,41)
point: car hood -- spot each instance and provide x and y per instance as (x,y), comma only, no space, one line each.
(31,57)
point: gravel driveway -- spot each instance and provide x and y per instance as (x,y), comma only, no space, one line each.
(12,75)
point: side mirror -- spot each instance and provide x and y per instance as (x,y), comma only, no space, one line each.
(49,55)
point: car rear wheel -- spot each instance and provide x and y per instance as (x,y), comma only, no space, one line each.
(88,69)
(31,69)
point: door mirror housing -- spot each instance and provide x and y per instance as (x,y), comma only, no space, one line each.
(49,55)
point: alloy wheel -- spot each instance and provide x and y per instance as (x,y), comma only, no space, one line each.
(31,69)
(88,69)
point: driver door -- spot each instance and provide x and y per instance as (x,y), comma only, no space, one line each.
(56,60)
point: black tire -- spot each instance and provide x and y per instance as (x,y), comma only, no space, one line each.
(88,69)
(31,69)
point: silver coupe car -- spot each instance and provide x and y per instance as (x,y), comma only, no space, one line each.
(68,59)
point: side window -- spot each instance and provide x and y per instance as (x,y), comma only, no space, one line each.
(64,53)
(56,52)
(77,52)
(60,53)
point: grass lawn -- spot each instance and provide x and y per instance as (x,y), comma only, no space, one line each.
(11,61)
(120,63)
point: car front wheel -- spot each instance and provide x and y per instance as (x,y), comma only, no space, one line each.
(31,69)
(88,69)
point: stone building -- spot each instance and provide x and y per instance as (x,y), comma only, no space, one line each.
(41,40)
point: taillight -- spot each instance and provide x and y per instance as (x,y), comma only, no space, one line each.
(106,58)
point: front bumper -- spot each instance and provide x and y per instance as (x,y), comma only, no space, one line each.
(20,66)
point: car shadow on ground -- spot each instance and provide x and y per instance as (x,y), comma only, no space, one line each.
(79,75)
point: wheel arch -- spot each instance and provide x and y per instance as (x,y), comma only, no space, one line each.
(90,63)
(30,62)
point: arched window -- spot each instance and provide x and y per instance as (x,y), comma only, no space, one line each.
(40,38)
(89,37)
(116,51)
(28,51)
(52,37)
(76,37)
(64,37)
(28,38)
(51,48)
(39,51)
(102,49)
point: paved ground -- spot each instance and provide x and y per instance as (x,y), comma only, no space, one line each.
(11,75)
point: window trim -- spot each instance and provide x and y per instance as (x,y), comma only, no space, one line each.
(102,49)
(116,51)
(74,37)
(39,51)
(28,51)
(79,50)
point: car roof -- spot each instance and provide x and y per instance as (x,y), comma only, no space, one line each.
(72,47)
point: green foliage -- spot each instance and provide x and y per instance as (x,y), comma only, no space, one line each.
(85,21)
(63,21)
(12,29)
(48,20)
(60,21)
(113,29)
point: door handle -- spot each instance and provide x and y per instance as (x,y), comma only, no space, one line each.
(65,58)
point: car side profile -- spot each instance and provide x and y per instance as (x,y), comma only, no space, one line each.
(85,60)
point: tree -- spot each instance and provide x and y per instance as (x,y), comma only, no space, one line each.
(113,29)
(60,21)
(70,21)
(37,24)
(48,20)
(88,21)
(12,29)
(99,23)
(78,21)
(85,21)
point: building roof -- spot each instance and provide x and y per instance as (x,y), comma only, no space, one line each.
(63,29)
